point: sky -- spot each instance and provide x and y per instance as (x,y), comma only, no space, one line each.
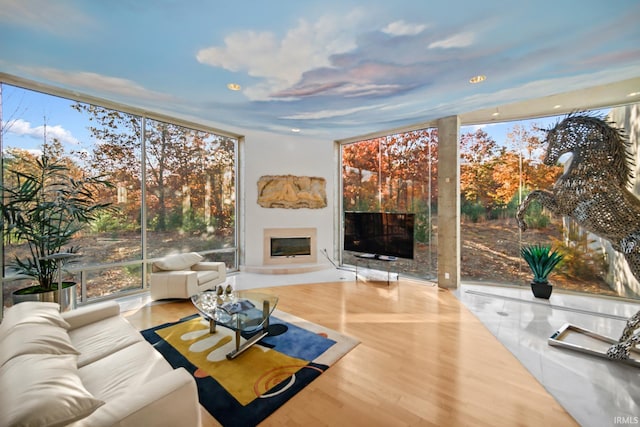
(28,111)
(335,68)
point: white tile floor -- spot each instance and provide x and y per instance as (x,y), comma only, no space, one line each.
(596,392)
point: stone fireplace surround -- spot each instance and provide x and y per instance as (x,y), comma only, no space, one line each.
(270,233)
(291,264)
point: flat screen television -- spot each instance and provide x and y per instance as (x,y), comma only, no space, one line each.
(379,233)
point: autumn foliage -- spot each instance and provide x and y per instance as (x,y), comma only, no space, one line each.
(399,172)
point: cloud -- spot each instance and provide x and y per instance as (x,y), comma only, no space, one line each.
(21,127)
(282,62)
(361,78)
(401,28)
(369,89)
(326,58)
(325,114)
(347,89)
(98,83)
(55,17)
(458,40)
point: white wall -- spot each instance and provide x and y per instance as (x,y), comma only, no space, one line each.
(295,154)
(619,276)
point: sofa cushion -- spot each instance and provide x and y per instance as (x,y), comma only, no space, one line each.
(97,340)
(28,338)
(178,261)
(43,390)
(32,312)
(128,368)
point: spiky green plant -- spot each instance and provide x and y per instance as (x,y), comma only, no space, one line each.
(44,207)
(542,260)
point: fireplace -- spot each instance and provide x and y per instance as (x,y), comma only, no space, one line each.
(290,246)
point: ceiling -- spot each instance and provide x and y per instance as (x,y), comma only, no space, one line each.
(330,68)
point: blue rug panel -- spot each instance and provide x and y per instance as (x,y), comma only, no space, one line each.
(298,342)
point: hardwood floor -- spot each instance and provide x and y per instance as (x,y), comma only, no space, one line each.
(423,360)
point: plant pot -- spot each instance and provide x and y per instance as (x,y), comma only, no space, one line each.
(541,290)
(69,296)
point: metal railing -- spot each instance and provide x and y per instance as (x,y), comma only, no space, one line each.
(83,273)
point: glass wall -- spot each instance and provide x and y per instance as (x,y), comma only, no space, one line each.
(190,178)
(111,146)
(187,202)
(396,173)
(500,164)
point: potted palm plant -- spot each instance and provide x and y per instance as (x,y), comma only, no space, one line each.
(542,260)
(43,207)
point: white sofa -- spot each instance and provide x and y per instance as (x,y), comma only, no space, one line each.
(87,367)
(184,275)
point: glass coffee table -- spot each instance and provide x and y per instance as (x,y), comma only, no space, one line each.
(240,311)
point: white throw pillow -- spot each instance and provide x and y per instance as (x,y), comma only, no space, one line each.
(178,261)
(33,338)
(43,390)
(32,312)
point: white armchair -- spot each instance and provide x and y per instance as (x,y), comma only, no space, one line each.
(184,275)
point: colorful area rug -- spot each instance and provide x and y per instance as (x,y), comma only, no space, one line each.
(246,390)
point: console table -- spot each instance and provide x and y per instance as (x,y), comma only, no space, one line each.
(375,257)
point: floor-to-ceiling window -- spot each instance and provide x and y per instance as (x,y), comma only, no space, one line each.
(396,173)
(173,186)
(500,164)
(190,177)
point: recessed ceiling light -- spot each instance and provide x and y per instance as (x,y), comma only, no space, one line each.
(296,130)
(477,79)
(497,113)
(555,107)
(633,94)
(234,86)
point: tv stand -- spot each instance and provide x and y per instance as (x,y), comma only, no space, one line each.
(377,257)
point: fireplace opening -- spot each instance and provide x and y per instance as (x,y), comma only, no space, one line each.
(290,246)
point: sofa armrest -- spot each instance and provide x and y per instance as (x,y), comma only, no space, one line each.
(169,400)
(91,313)
(210,265)
(174,278)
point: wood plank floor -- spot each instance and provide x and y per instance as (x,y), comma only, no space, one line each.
(423,360)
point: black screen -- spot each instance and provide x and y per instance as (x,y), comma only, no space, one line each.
(290,246)
(379,233)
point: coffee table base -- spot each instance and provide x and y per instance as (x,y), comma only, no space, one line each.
(251,341)
(248,343)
